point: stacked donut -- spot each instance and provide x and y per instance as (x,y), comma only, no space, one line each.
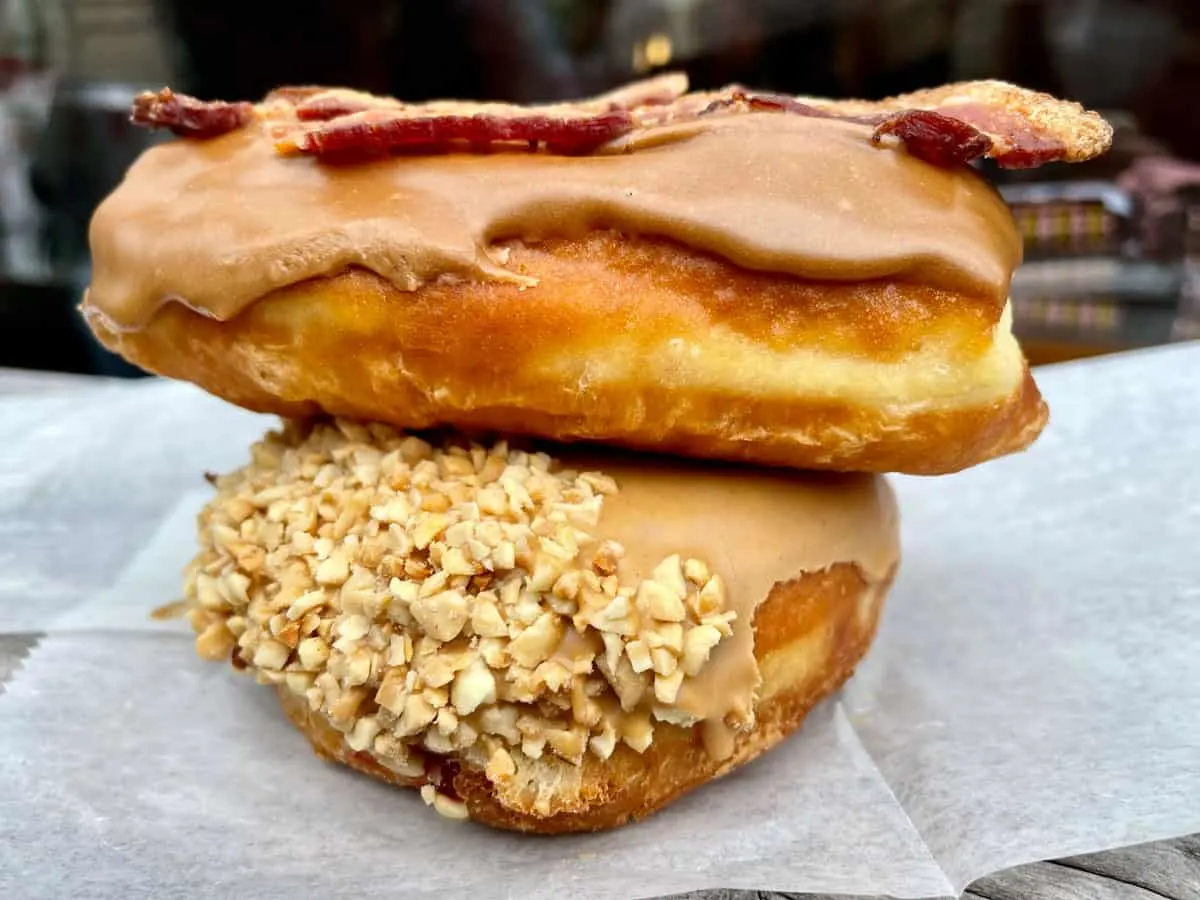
(577,502)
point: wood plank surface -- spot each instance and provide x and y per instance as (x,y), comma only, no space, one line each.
(13,649)
(1164,870)
(1053,881)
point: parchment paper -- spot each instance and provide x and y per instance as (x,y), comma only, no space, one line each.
(1034,692)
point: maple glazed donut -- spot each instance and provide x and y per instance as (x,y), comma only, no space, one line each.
(784,281)
(533,642)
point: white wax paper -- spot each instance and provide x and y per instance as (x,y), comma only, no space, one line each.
(1034,692)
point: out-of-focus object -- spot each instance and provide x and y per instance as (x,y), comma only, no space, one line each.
(229,48)
(1069,218)
(39,326)
(1187,324)
(110,49)
(119,41)
(26,79)
(1157,186)
(85,148)
(1169,106)
(1106,51)
(1103,268)
(1067,308)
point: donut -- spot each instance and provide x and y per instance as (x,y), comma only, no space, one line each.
(723,275)
(542,642)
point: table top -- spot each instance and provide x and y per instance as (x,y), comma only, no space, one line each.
(1163,869)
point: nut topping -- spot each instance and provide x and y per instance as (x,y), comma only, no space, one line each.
(450,600)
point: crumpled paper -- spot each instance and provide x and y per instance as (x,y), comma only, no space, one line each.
(1034,691)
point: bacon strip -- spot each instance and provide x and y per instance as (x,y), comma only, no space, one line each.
(947,126)
(1016,142)
(936,138)
(1026,128)
(346,124)
(378,133)
(188,117)
(954,124)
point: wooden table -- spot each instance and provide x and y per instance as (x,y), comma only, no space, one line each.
(1166,869)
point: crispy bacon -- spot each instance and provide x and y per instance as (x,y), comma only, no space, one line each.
(936,138)
(1017,143)
(946,126)
(188,117)
(951,135)
(1026,128)
(346,125)
(377,133)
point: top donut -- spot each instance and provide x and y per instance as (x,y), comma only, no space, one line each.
(732,275)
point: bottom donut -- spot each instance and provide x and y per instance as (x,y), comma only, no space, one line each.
(536,640)
(809,636)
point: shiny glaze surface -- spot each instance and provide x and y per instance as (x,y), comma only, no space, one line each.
(754,528)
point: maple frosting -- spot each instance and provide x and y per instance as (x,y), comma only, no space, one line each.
(754,528)
(216,224)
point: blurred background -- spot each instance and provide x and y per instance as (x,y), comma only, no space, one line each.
(1113,247)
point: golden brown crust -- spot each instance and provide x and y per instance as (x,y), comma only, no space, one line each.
(810,633)
(633,342)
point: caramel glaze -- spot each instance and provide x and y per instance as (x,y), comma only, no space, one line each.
(754,528)
(217,224)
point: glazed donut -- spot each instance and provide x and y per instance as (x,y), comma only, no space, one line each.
(539,643)
(729,275)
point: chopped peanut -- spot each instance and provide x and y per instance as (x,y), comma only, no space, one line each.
(446,600)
